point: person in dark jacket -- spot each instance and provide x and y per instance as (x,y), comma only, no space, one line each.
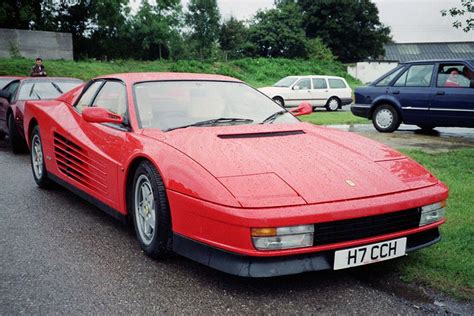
(38,69)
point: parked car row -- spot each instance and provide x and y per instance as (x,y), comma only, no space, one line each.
(214,170)
(429,94)
(319,91)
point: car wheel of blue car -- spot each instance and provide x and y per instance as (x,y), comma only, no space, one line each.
(386,118)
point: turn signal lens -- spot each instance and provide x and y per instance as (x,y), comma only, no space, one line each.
(263,232)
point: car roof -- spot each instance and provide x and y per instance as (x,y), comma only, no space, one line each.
(437,61)
(315,76)
(165,76)
(47,78)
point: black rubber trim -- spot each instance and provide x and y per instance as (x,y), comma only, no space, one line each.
(101,205)
(263,267)
(259,135)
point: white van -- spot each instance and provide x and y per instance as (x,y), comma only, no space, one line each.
(320,91)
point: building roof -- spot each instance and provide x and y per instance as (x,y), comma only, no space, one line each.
(424,51)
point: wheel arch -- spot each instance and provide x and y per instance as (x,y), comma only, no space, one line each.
(33,122)
(382,101)
(279,97)
(130,172)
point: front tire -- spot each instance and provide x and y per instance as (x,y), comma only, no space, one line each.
(333,104)
(40,174)
(150,211)
(386,119)
(16,141)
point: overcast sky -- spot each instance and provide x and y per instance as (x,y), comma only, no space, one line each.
(409,20)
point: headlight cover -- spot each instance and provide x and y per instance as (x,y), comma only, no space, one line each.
(432,213)
(283,237)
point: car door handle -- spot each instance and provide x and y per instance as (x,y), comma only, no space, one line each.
(440,93)
(396,92)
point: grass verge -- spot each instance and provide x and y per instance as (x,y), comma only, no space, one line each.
(449,265)
(332,118)
(258,72)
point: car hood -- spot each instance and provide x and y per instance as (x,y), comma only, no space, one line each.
(270,90)
(293,164)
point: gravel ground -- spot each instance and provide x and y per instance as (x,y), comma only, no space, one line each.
(61,255)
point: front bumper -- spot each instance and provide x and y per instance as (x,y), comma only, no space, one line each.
(362,110)
(262,267)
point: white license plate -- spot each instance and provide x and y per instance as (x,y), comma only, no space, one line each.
(381,251)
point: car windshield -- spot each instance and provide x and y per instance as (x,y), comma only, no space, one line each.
(170,105)
(4,82)
(46,89)
(285,82)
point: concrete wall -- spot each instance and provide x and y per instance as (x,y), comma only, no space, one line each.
(368,71)
(47,45)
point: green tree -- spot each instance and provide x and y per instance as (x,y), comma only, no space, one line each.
(203,18)
(233,37)
(19,14)
(278,32)
(467,6)
(351,29)
(154,29)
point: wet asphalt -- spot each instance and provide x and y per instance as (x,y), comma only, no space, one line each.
(59,254)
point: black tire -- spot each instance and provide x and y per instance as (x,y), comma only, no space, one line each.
(37,160)
(386,119)
(279,101)
(157,245)
(17,143)
(333,104)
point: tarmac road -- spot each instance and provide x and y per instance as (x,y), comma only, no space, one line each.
(61,255)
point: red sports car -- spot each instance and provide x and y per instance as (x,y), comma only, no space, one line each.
(214,170)
(12,102)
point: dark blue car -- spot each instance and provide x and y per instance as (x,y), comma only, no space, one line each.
(424,93)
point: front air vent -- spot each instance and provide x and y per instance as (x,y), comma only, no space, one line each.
(74,162)
(260,135)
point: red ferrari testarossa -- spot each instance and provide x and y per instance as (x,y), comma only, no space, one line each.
(212,169)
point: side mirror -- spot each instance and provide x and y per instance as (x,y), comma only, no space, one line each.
(100,115)
(303,109)
(296,88)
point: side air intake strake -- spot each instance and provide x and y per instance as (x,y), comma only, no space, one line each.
(75,163)
(259,135)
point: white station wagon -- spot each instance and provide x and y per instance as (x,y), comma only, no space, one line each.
(320,91)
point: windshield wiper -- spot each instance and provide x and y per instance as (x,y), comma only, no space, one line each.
(57,87)
(273,117)
(33,90)
(213,122)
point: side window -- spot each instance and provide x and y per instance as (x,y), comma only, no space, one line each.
(385,81)
(416,76)
(319,83)
(337,84)
(86,98)
(453,76)
(303,84)
(12,88)
(113,97)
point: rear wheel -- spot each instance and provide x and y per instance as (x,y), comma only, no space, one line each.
(279,101)
(386,118)
(16,141)
(333,104)
(151,214)
(40,173)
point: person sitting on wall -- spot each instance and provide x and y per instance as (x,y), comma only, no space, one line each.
(452,81)
(38,69)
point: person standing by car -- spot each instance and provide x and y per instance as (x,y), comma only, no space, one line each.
(38,69)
